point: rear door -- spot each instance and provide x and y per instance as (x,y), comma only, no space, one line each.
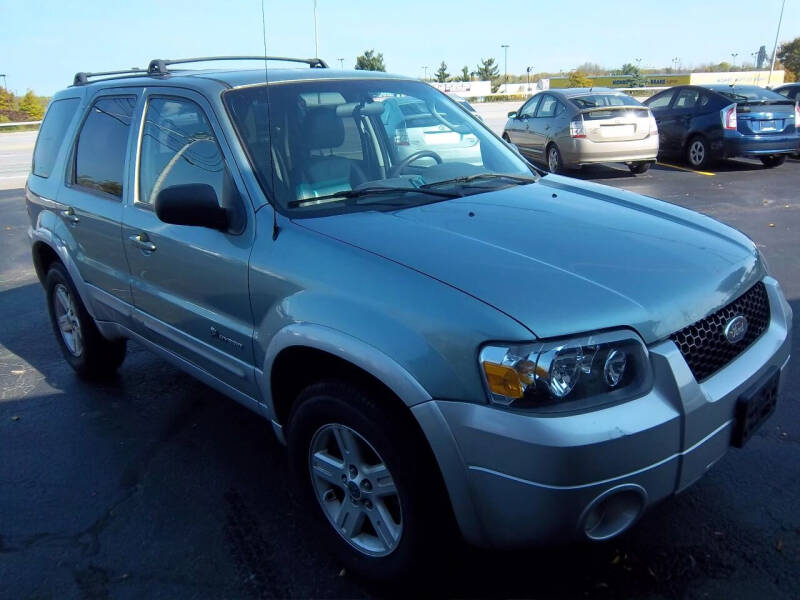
(541,124)
(190,284)
(95,189)
(677,125)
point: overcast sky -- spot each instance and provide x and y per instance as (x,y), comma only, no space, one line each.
(42,44)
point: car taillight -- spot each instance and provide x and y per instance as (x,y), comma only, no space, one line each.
(729,117)
(797,115)
(653,125)
(576,129)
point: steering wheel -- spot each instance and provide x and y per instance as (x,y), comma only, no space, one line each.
(412,157)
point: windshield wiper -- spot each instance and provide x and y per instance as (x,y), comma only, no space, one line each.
(369,191)
(480,176)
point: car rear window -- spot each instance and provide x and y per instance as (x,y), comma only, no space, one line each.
(103,144)
(752,94)
(51,135)
(600,100)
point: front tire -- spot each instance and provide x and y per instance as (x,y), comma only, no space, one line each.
(83,346)
(697,152)
(773,160)
(368,480)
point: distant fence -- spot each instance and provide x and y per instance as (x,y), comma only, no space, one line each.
(20,123)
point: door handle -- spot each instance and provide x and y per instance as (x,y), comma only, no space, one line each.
(140,241)
(70,216)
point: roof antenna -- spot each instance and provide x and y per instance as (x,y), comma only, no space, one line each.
(274,202)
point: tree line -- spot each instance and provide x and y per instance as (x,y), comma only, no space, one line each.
(28,107)
(787,58)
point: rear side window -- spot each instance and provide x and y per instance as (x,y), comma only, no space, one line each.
(547,107)
(662,100)
(178,147)
(599,100)
(687,98)
(103,143)
(51,135)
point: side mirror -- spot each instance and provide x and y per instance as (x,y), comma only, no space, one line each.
(191,204)
(512,114)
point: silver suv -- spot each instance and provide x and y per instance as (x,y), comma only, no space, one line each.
(443,344)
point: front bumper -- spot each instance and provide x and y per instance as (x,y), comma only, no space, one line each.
(517,479)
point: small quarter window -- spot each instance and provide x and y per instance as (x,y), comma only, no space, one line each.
(103,144)
(51,135)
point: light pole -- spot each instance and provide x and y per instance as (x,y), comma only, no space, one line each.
(733,56)
(341,63)
(675,60)
(528,71)
(425,71)
(3,75)
(316,35)
(775,47)
(505,62)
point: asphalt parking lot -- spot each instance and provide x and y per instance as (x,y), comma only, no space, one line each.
(153,485)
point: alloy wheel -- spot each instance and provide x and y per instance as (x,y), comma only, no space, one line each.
(697,152)
(67,318)
(355,489)
(553,159)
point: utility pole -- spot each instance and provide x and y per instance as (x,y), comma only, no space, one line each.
(341,63)
(425,71)
(505,62)
(316,34)
(775,47)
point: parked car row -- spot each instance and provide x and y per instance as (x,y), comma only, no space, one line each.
(565,129)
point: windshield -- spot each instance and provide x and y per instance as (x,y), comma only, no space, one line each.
(595,100)
(335,141)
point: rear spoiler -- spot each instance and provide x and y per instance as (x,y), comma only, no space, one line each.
(586,111)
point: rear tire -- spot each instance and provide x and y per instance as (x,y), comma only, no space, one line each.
(637,168)
(324,417)
(697,152)
(773,160)
(555,164)
(83,346)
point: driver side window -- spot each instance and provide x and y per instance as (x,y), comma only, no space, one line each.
(529,109)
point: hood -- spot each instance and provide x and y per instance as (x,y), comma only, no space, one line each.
(563,256)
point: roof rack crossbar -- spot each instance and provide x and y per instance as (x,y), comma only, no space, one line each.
(159,66)
(82,78)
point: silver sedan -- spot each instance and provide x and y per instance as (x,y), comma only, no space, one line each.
(568,128)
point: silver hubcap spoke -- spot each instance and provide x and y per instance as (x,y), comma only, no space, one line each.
(355,489)
(697,152)
(67,320)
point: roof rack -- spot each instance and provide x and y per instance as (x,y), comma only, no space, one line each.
(159,66)
(82,78)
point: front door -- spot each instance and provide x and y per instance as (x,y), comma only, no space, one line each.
(190,283)
(519,128)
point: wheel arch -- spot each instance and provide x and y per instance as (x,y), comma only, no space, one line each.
(46,249)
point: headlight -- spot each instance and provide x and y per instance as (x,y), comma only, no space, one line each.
(567,374)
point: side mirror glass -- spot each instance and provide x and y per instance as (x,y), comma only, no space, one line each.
(512,114)
(193,204)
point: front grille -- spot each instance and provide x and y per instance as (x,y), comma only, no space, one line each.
(703,343)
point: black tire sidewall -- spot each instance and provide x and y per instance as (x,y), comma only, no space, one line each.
(773,160)
(100,357)
(333,402)
(639,168)
(560,167)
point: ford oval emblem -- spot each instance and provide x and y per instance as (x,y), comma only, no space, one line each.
(735,329)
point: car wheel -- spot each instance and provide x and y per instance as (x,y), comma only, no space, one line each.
(554,162)
(697,154)
(81,343)
(506,138)
(369,482)
(640,167)
(773,160)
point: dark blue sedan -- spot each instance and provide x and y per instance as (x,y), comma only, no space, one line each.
(706,123)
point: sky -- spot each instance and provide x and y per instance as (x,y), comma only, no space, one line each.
(43,43)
